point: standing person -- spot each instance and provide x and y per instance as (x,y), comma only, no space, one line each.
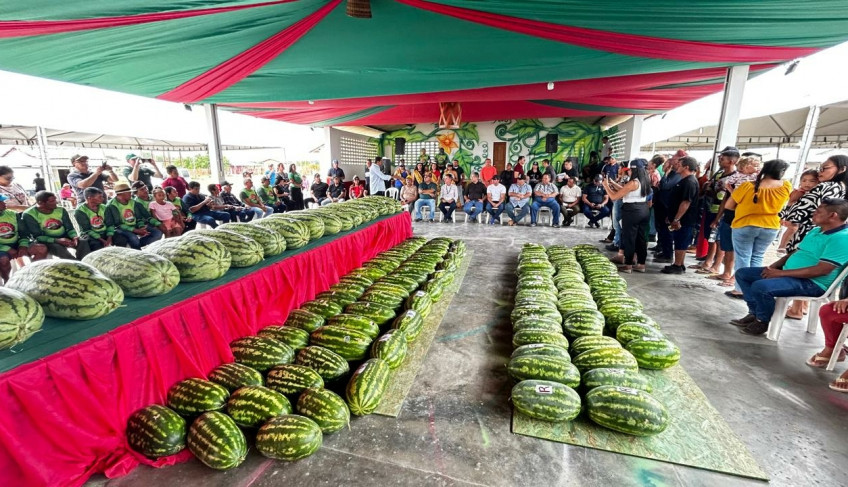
(448,198)
(488,172)
(595,201)
(495,198)
(50,225)
(133,224)
(614,238)
(655,177)
(38,182)
(507,176)
(423,158)
(442,159)
(426,197)
(91,219)
(251,199)
(269,196)
(714,195)
(519,200)
(662,203)
(16,197)
(683,213)
(137,172)
(384,163)
(519,168)
(610,169)
(548,169)
(606,150)
(408,194)
(357,189)
(170,218)
(534,175)
(460,174)
(592,169)
(400,175)
(335,171)
(175,181)
(569,196)
(200,206)
(475,197)
(271,174)
(378,180)
(545,195)
(295,187)
(81,178)
(635,217)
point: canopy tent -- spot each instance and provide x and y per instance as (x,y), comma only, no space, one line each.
(307,62)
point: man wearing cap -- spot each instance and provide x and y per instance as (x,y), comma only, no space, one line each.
(141,194)
(335,171)
(269,197)
(570,195)
(661,203)
(495,200)
(595,201)
(132,222)
(50,224)
(81,178)
(91,218)
(545,196)
(137,172)
(519,200)
(224,199)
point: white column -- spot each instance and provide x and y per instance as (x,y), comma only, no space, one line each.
(633,136)
(216,157)
(41,139)
(806,141)
(731,106)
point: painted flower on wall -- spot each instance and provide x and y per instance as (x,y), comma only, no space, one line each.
(447,142)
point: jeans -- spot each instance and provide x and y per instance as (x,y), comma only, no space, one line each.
(759,292)
(495,212)
(603,212)
(240,214)
(429,204)
(634,225)
(664,240)
(517,216)
(212,217)
(447,209)
(539,204)
(473,208)
(652,228)
(124,237)
(750,244)
(257,212)
(616,222)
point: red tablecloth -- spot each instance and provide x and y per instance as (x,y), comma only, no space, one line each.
(62,418)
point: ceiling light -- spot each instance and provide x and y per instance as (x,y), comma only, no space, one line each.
(550,85)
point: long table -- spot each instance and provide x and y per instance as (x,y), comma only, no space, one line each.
(65,399)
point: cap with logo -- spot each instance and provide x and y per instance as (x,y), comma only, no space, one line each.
(730,151)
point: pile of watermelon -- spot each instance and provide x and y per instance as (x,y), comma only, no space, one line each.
(281,384)
(610,339)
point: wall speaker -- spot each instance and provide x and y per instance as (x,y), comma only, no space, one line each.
(400,146)
(551,143)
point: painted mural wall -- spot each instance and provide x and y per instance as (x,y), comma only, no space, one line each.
(472,143)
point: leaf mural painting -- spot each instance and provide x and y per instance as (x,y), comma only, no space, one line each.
(575,139)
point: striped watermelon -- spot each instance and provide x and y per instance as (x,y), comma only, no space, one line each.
(378,313)
(616,320)
(626,410)
(305,320)
(326,408)
(410,323)
(366,386)
(421,302)
(342,298)
(606,358)
(197,258)
(654,352)
(349,344)
(546,400)
(584,322)
(322,307)
(584,344)
(435,288)
(261,353)
(292,379)
(615,377)
(627,332)
(191,397)
(314,223)
(250,406)
(409,284)
(294,232)
(358,280)
(391,347)
(328,364)
(389,288)
(68,289)
(217,441)
(291,336)
(541,349)
(525,337)
(20,317)
(355,323)
(244,251)
(544,367)
(272,242)
(388,300)
(156,431)
(140,274)
(289,437)
(233,375)
(538,323)
(371,273)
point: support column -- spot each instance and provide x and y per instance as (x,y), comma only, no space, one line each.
(41,139)
(633,136)
(216,157)
(731,107)
(806,141)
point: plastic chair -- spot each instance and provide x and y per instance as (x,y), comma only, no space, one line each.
(776,322)
(393,193)
(840,341)
(543,210)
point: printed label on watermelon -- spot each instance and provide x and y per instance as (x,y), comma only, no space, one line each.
(614,371)
(347,339)
(410,313)
(543,389)
(536,345)
(653,339)
(627,390)
(420,293)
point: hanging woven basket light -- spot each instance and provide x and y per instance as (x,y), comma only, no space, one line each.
(359,9)
(450,115)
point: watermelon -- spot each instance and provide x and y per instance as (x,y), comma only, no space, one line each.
(584,322)
(314,223)
(544,367)
(67,289)
(537,323)
(289,437)
(140,274)
(421,302)
(389,288)
(217,441)
(156,431)
(272,243)
(606,358)
(541,312)
(385,265)
(20,317)
(584,344)
(372,273)
(191,397)
(197,258)
(349,344)
(354,288)
(342,298)
(261,353)
(244,251)
(388,300)
(366,386)
(391,347)
(322,307)
(292,379)
(546,400)
(328,364)
(376,312)
(654,352)
(250,406)
(233,375)
(305,320)
(296,338)
(359,280)
(615,377)
(355,323)
(618,303)
(631,331)
(633,316)
(410,323)
(293,232)
(326,408)
(525,337)
(541,349)
(626,410)
(410,285)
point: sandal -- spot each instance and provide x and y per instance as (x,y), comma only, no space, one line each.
(733,295)
(818,361)
(617,259)
(707,271)
(511,223)
(719,277)
(794,317)
(839,385)
(639,268)
(695,266)
(625,269)
(728,283)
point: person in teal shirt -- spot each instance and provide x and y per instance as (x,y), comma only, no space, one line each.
(49,224)
(133,224)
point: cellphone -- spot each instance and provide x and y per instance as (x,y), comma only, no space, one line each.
(104,164)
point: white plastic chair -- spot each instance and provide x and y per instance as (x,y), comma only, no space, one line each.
(393,193)
(543,210)
(840,341)
(776,322)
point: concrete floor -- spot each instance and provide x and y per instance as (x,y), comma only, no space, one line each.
(455,425)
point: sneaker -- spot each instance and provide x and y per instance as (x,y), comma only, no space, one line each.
(652,238)
(432,220)
(743,322)
(612,247)
(673,269)
(417,219)
(755,328)
(659,259)
(597,225)
(449,220)
(567,224)
(555,225)
(532,224)
(473,219)
(498,221)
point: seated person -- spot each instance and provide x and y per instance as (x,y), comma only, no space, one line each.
(141,193)
(283,190)
(66,193)
(545,194)
(357,189)
(172,195)
(808,271)
(319,192)
(226,201)
(519,200)
(475,197)
(832,316)
(10,241)
(569,196)
(408,193)
(426,197)
(269,196)
(170,218)
(49,224)
(595,201)
(202,207)
(568,172)
(252,201)
(336,191)
(447,197)
(132,222)
(495,198)
(91,218)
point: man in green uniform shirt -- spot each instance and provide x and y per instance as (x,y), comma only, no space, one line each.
(91,218)
(49,224)
(10,241)
(269,197)
(133,224)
